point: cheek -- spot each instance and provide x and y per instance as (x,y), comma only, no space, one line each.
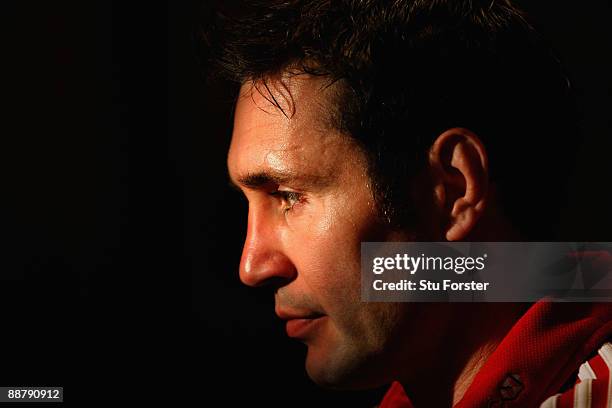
(325,245)
(330,273)
(324,240)
(330,266)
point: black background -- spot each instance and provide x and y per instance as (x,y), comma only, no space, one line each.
(122,239)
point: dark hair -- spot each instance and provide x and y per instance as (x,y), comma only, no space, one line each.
(409,69)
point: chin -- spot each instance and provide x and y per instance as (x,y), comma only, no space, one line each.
(341,369)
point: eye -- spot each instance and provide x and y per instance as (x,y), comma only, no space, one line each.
(289,198)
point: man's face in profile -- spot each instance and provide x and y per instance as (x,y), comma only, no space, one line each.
(310,207)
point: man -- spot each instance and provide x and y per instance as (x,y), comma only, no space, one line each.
(406,120)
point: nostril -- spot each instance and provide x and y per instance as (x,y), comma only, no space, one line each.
(275,282)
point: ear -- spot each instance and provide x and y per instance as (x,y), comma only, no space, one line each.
(460,173)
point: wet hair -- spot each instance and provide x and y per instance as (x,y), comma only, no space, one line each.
(405,71)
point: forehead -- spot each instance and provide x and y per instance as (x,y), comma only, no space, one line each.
(295,139)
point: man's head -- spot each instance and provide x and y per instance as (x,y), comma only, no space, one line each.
(379,121)
(310,206)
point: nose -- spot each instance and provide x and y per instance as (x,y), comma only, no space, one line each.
(263,259)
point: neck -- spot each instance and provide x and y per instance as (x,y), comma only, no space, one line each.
(473,365)
(445,379)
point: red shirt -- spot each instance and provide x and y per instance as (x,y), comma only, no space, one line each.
(542,352)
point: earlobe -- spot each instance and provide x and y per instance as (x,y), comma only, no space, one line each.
(460,170)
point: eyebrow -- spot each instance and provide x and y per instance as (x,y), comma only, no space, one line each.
(264,178)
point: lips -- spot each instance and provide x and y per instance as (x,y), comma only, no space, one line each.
(301,326)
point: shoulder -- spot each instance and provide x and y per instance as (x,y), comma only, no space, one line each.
(592,387)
